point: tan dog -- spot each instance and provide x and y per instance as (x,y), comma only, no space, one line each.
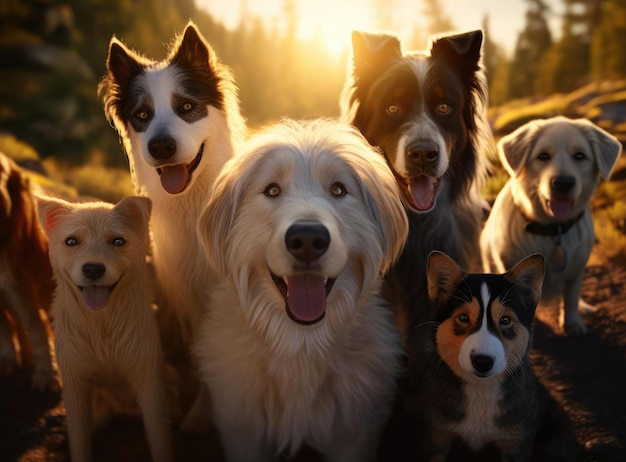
(555,166)
(105,329)
(26,284)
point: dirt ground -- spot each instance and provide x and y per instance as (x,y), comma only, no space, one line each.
(587,375)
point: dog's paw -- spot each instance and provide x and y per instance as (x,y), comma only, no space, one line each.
(573,325)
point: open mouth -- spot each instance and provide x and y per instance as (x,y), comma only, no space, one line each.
(422,190)
(559,208)
(175,178)
(96,297)
(305,295)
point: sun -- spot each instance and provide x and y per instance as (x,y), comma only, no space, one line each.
(333,21)
(330,22)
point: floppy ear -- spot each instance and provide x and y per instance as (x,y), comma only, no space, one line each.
(51,211)
(515,147)
(383,199)
(606,148)
(218,217)
(443,275)
(528,274)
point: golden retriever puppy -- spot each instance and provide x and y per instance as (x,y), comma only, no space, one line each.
(555,166)
(299,348)
(105,329)
(26,284)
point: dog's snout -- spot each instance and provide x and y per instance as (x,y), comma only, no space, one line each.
(93,270)
(307,241)
(423,151)
(562,184)
(482,363)
(162,147)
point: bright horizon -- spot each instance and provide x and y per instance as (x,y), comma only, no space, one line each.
(332,21)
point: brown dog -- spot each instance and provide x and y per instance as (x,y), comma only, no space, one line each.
(26,284)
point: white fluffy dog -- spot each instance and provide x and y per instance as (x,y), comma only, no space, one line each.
(555,166)
(299,348)
(106,335)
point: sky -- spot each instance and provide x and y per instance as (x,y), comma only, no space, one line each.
(334,20)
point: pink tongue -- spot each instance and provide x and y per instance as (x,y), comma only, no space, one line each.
(560,208)
(174,178)
(306,297)
(423,192)
(96,297)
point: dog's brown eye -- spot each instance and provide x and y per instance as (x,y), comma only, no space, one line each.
(118,241)
(443,108)
(393,109)
(579,156)
(142,115)
(338,190)
(187,106)
(272,190)
(543,156)
(505,321)
(71,241)
(463,318)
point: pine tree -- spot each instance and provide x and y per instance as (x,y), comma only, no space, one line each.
(533,42)
(608,59)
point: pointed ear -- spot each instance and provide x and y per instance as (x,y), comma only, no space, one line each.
(191,49)
(122,63)
(528,273)
(606,148)
(461,51)
(51,212)
(443,275)
(136,210)
(515,147)
(372,52)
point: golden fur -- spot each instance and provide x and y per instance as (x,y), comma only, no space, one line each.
(26,284)
(105,329)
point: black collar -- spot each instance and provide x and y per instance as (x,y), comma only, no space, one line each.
(551,229)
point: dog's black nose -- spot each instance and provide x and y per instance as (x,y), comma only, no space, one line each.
(307,240)
(482,363)
(423,151)
(93,270)
(562,184)
(162,147)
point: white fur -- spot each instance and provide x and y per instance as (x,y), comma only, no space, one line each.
(504,240)
(119,343)
(483,342)
(277,384)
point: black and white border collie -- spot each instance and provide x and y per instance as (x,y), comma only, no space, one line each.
(179,121)
(426,112)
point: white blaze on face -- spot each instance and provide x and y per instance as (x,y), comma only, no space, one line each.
(483,343)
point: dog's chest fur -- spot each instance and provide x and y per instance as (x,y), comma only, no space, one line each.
(303,382)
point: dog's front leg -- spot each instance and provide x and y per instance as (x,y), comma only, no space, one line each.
(152,399)
(570,319)
(77,399)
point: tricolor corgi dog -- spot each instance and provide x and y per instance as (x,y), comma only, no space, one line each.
(479,395)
